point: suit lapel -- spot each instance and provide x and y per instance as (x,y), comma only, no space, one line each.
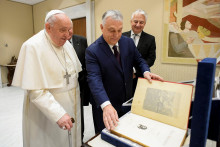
(129,34)
(141,40)
(105,47)
(123,51)
(75,42)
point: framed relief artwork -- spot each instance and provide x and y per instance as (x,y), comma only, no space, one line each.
(191,30)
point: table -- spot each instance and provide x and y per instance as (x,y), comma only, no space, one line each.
(11,69)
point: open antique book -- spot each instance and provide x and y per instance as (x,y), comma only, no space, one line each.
(159,114)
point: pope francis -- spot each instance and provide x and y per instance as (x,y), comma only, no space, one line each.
(47,69)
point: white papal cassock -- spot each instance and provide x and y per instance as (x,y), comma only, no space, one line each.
(40,71)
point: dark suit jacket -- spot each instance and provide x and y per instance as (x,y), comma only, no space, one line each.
(80,45)
(107,79)
(147,48)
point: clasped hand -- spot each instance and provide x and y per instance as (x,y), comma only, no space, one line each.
(65,122)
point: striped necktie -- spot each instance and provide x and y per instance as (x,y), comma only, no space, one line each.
(134,38)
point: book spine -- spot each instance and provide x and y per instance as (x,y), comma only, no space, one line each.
(113,141)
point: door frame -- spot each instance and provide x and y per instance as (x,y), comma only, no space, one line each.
(84,10)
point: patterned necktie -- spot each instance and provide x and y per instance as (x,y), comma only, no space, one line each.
(117,54)
(134,38)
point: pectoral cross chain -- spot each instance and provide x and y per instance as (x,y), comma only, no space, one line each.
(67,76)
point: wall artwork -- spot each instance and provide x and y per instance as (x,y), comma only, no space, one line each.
(191,30)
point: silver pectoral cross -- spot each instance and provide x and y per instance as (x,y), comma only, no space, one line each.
(66,76)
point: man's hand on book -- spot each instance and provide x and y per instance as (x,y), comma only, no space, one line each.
(149,76)
(110,117)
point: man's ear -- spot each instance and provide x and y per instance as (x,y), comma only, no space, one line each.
(47,27)
(101,26)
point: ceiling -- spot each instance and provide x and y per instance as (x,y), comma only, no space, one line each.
(29,2)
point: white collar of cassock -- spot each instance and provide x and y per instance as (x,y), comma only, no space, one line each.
(51,41)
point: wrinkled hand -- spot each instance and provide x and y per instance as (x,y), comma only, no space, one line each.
(149,76)
(65,121)
(110,117)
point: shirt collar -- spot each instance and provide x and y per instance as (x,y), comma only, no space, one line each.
(113,45)
(139,34)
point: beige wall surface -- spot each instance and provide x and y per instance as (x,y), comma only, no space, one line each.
(16,26)
(40,10)
(154,9)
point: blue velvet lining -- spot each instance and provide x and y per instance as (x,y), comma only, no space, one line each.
(202,102)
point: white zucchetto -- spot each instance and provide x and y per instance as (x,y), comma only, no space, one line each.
(52,12)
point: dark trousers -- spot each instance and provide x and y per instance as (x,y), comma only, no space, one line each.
(134,85)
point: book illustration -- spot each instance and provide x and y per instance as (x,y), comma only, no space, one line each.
(162,101)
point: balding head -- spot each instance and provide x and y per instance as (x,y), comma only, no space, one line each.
(51,13)
(58,26)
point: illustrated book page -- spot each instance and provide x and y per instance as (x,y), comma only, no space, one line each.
(159,114)
(166,102)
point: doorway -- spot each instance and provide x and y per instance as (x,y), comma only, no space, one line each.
(79,26)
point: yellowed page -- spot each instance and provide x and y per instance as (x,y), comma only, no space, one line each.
(165,102)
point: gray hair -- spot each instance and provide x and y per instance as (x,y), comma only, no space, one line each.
(139,11)
(114,14)
(51,20)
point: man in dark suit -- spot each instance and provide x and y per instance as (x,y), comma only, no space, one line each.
(80,44)
(145,42)
(109,63)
